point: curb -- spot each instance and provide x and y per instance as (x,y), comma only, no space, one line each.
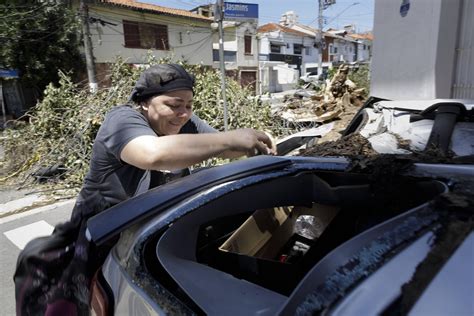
(27,211)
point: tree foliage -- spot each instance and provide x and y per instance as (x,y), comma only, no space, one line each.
(361,77)
(38,38)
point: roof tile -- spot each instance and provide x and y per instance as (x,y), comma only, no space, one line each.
(132,4)
(270,27)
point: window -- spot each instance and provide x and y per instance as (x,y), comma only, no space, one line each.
(275,48)
(297,49)
(332,49)
(248,44)
(145,35)
(229,56)
(307,51)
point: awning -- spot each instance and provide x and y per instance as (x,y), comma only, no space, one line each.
(278,43)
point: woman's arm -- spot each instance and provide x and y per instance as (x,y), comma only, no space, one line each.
(183,150)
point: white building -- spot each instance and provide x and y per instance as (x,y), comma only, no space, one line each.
(339,45)
(280,45)
(364,46)
(340,48)
(290,19)
(240,47)
(133,30)
(423,50)
(240,52)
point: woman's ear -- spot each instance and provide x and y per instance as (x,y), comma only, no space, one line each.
(144,105)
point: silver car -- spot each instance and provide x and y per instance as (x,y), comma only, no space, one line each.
(306,235)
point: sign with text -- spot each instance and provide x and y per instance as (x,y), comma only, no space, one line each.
(240,11)
(9,73)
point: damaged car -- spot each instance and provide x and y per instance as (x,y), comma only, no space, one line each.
(331,231)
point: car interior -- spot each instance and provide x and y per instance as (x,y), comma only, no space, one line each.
(262,240)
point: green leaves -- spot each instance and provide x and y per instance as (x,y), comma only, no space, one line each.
(38,38)
(244,109)
(64,124)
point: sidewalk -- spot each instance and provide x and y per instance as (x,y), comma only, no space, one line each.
(16,202)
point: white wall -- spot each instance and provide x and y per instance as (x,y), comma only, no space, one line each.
(290,39)
(282,78)
(345,50)
(108,41)
(234,41)
(244,60)
(313,57)
(463,82)
(363,54)
(413,56)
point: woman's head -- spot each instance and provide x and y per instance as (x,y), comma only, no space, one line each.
(168,112)
(165,94)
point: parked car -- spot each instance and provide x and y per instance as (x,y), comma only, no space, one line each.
(290,235)
(310,76)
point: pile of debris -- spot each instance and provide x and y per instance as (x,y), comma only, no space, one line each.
(339,97)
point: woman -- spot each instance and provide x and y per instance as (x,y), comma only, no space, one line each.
(132,150)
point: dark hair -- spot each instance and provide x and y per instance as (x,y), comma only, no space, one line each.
(160,79)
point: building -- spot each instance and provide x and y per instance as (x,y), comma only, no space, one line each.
(284,55)
(364,46)
(15,98)
(240,47)
(339,48)
(240,52)
(338,45)
(135,30)
(290,20)
(423,50)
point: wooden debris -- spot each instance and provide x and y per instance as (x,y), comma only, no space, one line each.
(340,96)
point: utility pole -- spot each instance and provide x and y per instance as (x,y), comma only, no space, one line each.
(88,47)
(219,16)
(321,38)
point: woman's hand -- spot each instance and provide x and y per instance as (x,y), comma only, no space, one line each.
(251,142)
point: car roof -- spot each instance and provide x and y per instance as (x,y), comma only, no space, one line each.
(420,105)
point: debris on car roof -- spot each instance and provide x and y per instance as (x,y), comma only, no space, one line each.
(350,145)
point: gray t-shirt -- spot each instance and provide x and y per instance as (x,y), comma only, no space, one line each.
(110,180)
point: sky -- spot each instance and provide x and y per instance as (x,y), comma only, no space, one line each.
(357,12)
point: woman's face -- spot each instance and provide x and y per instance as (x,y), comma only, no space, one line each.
(168,112)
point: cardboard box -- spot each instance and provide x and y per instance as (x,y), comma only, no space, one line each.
(267,231)
(258,249)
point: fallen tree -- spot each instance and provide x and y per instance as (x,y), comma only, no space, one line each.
(339,95)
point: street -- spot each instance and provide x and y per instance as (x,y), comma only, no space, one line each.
(15,231)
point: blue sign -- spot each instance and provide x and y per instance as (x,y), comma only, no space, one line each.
(404,8)
(9,73)
(237,10)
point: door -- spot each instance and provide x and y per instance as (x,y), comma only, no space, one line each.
(248,79)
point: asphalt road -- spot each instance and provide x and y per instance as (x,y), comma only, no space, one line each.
(15,230)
